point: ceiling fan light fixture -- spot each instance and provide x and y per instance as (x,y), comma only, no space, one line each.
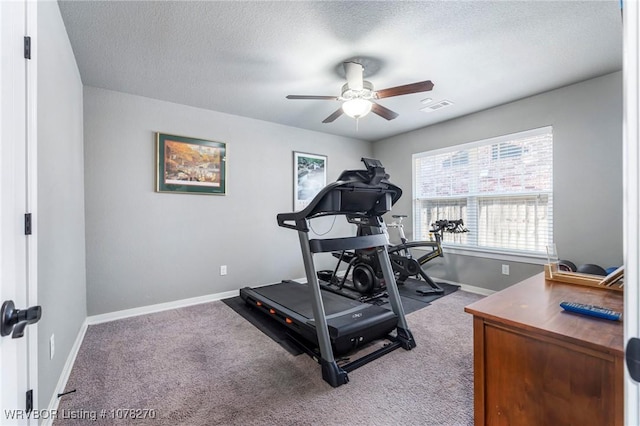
(357,108)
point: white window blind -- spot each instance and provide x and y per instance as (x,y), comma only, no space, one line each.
(501,187)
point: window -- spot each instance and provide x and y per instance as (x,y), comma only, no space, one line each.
(501,187)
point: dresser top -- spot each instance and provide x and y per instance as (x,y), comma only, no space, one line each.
(534,305)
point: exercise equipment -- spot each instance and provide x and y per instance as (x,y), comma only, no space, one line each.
(366,275)
(590,268)
(567,266)
(587,268)
(327,324)
(407,266)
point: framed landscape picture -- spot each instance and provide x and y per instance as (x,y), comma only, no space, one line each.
(189,165)
(309,177)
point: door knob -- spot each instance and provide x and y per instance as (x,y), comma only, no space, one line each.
(16,320)
(632,356)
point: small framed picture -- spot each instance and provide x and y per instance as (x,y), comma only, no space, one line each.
(189,165)
(309,177)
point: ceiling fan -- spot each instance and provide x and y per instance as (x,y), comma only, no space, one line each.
(358,95)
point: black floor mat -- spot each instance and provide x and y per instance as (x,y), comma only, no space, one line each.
(268,326)
(411,286)
(408,290)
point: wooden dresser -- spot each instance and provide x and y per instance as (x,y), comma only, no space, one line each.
(535,364)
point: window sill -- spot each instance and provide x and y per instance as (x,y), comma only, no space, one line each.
(495,254)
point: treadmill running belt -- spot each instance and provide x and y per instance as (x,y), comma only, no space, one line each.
(298,298)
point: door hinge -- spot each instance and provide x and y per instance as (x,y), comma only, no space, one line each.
(27,47)
(27,224)
(29,404)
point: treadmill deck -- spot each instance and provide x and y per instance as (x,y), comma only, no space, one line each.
(350,323)
(296,297)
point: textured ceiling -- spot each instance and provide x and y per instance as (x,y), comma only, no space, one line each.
(243,58)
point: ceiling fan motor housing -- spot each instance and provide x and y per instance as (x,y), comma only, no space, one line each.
(366,92)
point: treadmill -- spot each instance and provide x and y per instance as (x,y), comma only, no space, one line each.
(351,324)
(326,324)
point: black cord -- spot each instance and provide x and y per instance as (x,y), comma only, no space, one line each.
(325,233)
(66,393)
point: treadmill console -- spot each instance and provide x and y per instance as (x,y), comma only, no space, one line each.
(372,176)
(357,193)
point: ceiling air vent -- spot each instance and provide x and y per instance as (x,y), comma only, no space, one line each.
(436,106)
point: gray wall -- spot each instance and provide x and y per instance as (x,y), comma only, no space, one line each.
(60,215)
(145,247)
(587,130)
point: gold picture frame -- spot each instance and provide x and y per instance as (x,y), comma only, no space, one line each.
(190,165)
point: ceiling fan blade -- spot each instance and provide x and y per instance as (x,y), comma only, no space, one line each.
(333,116)
(330,98)
(422,86)
(354,72)
(383,111)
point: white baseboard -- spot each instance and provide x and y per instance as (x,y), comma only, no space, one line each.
(477,290)
(143,310)
(66,371)
(469,288)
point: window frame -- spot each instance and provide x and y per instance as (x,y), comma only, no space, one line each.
(481,251)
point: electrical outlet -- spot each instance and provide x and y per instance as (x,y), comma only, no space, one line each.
(223,269)
(52,346)
(505,269)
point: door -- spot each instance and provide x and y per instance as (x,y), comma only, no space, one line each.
(17,273)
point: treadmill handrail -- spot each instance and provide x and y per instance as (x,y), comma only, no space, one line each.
(348,243)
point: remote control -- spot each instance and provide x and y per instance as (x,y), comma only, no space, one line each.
(594,311)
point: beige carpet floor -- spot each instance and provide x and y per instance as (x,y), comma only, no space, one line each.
(206,365)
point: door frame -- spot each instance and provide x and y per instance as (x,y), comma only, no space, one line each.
(631,206)
(10,352)
(22,359)
(32,193)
